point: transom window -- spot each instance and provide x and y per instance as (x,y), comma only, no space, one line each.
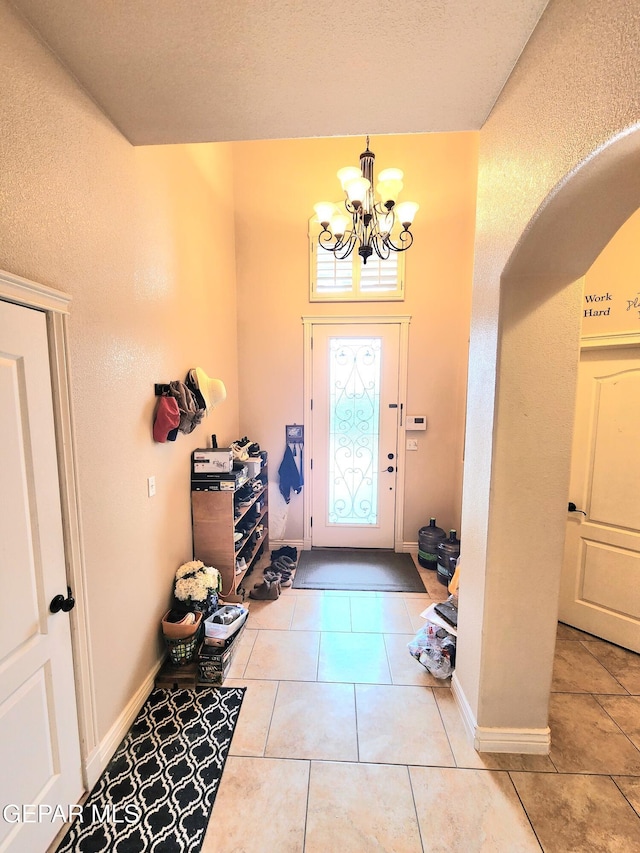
(350,280)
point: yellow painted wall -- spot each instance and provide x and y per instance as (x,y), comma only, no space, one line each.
(276,185)
(142,239)
(611,300)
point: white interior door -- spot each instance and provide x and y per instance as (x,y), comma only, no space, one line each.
(355,435)
(39,743)
(600,588)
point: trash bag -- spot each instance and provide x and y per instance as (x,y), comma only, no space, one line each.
(435,649)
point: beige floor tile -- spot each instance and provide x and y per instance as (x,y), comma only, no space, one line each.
(415,606)
(578,813)
(248,638)
(566,632)
(625,711)
(349,592)
(284,656)
(630,787)
(273,615)
(355,808)
(360,658)
(320,613)
(621,663)
(275,795)
(380,615)
(575,670)
(252,728)
(470,811)
(406,669)
(438,591)
(389,731)
(291,590)
(313,720)
(584,739)
(466,756)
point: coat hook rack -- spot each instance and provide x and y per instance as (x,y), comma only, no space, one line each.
(161,389)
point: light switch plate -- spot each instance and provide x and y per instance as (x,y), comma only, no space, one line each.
(412,444)
(151,486)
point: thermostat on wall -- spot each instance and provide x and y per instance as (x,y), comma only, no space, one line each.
(416,422)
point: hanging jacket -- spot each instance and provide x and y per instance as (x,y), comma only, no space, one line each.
(290,476)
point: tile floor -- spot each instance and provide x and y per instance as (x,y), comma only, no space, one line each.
(346,743)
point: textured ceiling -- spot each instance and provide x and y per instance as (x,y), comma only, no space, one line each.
(210,70)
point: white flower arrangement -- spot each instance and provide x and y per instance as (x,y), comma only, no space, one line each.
(195,581)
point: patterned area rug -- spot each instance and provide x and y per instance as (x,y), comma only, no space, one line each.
(158,790)
(357,569)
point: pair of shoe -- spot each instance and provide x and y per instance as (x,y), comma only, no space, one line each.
(283,569)
(241,565)
(268,590)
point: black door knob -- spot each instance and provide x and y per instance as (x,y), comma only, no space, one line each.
(390,469)
(573,508)
(389,455)
(59,602)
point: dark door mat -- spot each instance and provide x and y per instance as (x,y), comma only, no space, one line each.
(357,569)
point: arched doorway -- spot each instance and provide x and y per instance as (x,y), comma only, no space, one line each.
(516,477)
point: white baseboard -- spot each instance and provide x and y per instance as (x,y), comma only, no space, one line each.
(103,752)
(407,547)
(274,544)
(499,739)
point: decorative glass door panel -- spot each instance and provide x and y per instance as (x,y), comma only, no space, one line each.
(354,434)
(354,430)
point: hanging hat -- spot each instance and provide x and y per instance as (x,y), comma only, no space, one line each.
(212,390)
(167,418)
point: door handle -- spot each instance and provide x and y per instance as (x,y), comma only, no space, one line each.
(573,508)
(59,602)
(390,469)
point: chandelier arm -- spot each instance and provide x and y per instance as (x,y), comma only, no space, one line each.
(341,248)
(405,237)
(382,249)
(344,247)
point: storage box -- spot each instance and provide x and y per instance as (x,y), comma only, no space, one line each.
(213,628)
(214,663)
(212,460)
(254,465)
(221,481)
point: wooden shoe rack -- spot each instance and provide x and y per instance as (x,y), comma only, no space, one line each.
(216,517)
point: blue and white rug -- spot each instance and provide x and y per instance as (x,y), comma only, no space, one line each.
(157,792)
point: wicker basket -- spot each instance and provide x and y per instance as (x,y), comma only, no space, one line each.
(182,650)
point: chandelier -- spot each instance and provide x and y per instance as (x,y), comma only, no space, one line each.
(375,221)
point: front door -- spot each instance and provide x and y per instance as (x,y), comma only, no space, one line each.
(600,587)
(355,435)
(39,742)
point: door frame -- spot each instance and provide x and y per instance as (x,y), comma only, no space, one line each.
(55,305)
(403,369)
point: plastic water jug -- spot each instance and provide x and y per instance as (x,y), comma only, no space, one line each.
(429,537)
(448,553)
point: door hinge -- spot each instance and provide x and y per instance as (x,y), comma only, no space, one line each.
(312,464)
(311,522)
(311,405)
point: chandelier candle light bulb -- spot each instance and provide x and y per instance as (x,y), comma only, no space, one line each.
(371,219)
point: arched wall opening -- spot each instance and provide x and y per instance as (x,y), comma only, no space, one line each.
(508,605)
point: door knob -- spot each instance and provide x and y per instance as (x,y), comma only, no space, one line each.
(389,455)
(59,602)
(573,508)
(390,469)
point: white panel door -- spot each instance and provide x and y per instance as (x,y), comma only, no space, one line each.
(355,435)
(600,587)
(39,744)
